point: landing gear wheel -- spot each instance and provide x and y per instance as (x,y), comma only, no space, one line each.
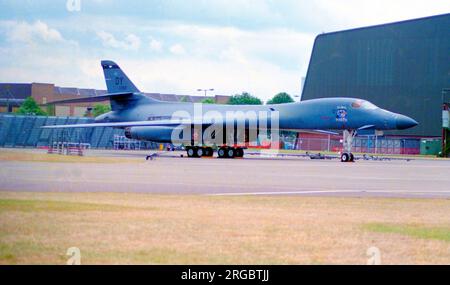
(222,152)
(208,152)
(190,152)
(345,157)
(199,152)
(239,152)
(352,157)
(231,153)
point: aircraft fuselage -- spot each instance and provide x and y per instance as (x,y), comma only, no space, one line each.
(324,114)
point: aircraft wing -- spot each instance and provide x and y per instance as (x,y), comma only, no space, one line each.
(161,123)
(172,122)
(156,123)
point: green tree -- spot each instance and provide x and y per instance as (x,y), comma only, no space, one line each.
(208,101)
(185,99)
(50,110)
(100,109)
(30,107)
(281,98)
(244,99)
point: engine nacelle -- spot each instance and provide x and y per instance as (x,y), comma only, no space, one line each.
(155,134)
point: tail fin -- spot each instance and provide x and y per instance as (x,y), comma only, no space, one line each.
(122,93)
(116,80)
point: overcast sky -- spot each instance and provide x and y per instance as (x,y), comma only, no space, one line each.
(177,46)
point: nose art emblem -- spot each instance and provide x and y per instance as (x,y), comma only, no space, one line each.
(341,114)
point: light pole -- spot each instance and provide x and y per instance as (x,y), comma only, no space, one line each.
(205,90)
(445,124)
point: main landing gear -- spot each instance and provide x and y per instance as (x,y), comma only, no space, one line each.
(223,152)
(347,142)
(197,151)
(230,152)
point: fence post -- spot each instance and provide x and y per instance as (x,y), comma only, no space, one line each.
(329,142)
(376,143)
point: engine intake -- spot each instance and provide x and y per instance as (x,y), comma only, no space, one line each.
(159,134)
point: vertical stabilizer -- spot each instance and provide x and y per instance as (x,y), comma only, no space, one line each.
(116,80)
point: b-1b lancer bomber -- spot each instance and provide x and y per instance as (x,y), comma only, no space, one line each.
(230,128)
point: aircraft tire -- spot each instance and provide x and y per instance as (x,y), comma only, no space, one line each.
(208,152)
(190,151)
(199,152)
(231,152)
(352,157)
(239,152)
(222,152)
(345,157)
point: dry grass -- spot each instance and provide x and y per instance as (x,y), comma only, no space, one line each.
(156,229)
(29,156)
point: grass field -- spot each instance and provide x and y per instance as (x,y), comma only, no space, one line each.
(38,228)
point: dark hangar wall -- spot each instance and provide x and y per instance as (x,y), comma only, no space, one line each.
(401,67)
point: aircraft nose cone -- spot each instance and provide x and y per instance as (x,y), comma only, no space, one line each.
(404,122)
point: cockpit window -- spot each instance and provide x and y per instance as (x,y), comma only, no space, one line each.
(357,104)
(364,105)
(368,106)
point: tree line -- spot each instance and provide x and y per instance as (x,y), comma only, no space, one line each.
(247,99)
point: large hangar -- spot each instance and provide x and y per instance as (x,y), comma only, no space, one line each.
(402,67)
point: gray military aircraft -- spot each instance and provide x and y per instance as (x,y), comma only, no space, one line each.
(229,127)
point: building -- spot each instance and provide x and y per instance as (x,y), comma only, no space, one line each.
(402,67)
(12,96)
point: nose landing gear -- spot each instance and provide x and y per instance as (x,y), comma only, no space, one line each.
(347,142)
(347,157)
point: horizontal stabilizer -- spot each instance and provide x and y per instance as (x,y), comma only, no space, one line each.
(93,98)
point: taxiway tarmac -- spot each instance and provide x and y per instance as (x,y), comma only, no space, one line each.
(264,176)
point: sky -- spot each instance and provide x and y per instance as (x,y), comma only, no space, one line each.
(178,46)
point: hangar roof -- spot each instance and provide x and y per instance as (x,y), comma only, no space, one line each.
(15,90)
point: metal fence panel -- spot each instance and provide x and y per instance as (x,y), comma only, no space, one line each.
(25,131)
